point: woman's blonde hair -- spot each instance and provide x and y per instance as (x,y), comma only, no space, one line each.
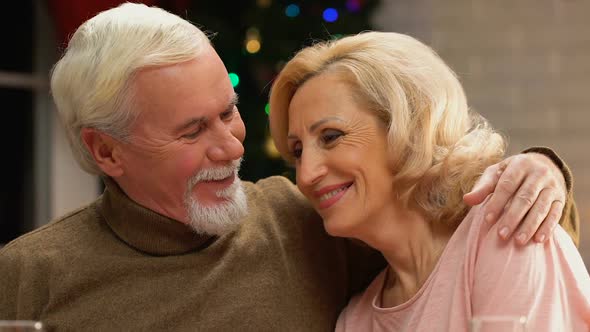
(91,84)
(438,146)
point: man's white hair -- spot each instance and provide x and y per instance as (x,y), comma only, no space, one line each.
(92,83)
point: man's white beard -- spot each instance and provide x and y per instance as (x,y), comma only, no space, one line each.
(221,218)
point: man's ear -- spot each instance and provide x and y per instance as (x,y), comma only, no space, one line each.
(104,150)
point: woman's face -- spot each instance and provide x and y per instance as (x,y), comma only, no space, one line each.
(341,156)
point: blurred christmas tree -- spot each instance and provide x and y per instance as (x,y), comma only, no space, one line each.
(255,38)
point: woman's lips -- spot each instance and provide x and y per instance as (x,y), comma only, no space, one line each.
(329,195)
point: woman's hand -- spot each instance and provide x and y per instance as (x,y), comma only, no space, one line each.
(528,196)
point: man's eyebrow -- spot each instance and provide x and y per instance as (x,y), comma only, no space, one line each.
(232,102)
(191,122)
(203,119)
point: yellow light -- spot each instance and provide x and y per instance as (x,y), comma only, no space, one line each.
(263,3)
(271,149)
(253,33)
(253,46)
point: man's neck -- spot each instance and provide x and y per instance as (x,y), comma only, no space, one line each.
(159,205)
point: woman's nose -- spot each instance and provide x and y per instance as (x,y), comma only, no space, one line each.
(311,169)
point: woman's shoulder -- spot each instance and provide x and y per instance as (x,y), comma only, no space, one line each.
(489,248)
(531,280)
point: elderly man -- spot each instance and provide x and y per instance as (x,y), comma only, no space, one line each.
(177,241)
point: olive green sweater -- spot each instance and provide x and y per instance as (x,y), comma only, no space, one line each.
(116,266)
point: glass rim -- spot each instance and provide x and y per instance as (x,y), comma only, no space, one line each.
(21,323)
(500,318)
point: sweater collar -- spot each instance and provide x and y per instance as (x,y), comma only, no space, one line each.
(147,230)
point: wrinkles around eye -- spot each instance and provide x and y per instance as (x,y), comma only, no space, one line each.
(330,135)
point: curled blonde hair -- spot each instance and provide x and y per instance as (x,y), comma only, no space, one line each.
(439,147)
(92,83)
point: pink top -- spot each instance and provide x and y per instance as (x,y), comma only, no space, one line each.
(478,274)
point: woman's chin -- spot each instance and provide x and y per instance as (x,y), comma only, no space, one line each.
(337,229)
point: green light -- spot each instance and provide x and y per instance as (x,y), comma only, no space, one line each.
(234,79)
(267,109)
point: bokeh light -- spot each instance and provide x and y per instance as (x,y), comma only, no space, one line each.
(263,3)
(330,15)
(234,79)
(353,5)
(271,149)
(253,46)
(292,10)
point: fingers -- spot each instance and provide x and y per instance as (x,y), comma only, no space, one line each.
(535,188)
(535,216)
(519,206)
(486,184)
(550,222)
(528,191)
(509,183)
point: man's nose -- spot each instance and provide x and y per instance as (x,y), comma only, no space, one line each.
(225,146)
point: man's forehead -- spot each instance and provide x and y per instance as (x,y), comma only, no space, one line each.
(174,94)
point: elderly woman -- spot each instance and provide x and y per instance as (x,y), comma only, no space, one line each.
(385,147)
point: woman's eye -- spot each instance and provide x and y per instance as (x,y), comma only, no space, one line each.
(330,135)
(296,151)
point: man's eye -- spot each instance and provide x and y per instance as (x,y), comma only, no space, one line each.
(228,115)
(330,135)
(193,134)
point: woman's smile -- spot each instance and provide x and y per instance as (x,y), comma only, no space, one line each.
(329,195)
